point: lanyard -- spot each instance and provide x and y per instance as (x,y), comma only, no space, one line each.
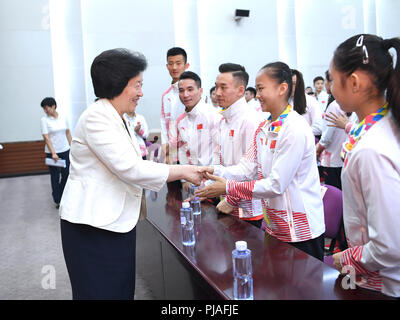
(358,131)
(276,126)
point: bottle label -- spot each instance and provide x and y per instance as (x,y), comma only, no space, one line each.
(183,220)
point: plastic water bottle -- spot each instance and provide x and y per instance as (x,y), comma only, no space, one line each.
(187,225)
(196,206)
(242,272)
(192,189)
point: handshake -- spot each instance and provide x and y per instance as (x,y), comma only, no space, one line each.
(198,175)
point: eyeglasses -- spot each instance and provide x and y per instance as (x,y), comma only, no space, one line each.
(360,43)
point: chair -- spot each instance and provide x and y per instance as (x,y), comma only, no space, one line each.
(154,152)
(333,212)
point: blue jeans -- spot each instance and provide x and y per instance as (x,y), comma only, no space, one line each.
(59,176)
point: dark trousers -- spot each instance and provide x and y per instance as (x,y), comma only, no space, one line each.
(100,263)
(332,176)
(59,176)
(314,247)
(256,223)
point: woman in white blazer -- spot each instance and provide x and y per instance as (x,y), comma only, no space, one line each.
(103,198)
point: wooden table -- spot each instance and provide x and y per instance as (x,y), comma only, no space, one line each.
(280,271)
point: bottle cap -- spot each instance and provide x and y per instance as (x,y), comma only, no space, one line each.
(185,205)
(241,245)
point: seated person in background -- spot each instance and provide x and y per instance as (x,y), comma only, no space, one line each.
(197,127)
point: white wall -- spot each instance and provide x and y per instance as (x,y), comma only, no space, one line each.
(68,63)
(302,33)
(320,27)
(252,42)
(26,75)
(145,26)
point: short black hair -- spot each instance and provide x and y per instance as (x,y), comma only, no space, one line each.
(48,101)
(252,90)
(112,70)
(317,79)
(212,89)
(176,51)
(238,72)
(191,75)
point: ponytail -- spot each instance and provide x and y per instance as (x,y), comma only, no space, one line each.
(299,97)
(393,94)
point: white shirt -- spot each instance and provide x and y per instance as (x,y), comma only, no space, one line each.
(132,122)
(332,140)
(281,169)
(236,131)
(371,202)
(171,109)
(323,98)
(197,131)
(313,115)
(255,104)
(236,134)
(56,130)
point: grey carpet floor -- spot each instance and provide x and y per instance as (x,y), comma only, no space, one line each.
(32,265)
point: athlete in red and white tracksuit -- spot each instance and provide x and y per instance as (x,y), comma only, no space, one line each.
(281,169)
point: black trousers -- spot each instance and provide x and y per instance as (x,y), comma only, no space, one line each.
(100,263)
(59,176)
(332,176)
(314,247)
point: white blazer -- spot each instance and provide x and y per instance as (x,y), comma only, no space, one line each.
(107,173)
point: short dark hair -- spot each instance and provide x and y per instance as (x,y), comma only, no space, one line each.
(112,70)
(280,72)
(212,89)
(48,101)
(176,51)
(252,90)
(317,79)
(238,72)
(191,75)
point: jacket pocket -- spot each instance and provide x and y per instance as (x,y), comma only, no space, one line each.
(92,203)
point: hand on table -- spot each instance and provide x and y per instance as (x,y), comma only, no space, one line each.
(224,207)
(336,261)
